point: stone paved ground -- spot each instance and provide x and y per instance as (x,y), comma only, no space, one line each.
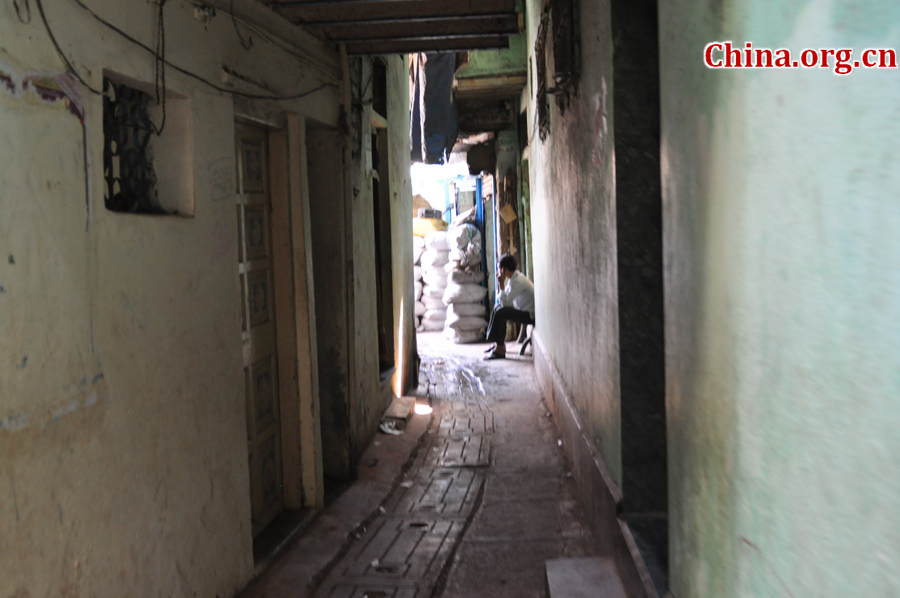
(486,499)
(528,512)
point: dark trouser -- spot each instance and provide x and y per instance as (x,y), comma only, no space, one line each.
(496,332)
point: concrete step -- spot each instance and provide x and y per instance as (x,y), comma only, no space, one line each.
(400,411)
(583,578)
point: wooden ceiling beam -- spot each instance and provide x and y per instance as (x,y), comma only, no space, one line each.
(419,44)
(498,87)
(409,28)
(350,11)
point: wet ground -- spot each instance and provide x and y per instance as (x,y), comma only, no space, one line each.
(471,501)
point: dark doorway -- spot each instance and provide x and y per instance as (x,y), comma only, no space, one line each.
(384,278)
(327,224)
(381,216)
(640,278)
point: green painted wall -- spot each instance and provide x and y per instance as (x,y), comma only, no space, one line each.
(782,247)
(486,63)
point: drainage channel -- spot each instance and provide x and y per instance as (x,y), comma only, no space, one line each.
(408,549)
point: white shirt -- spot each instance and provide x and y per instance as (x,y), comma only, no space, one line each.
(519,293)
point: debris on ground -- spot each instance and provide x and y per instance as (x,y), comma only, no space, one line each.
(389,427)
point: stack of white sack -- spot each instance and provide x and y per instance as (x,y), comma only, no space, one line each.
(434,276)
(465,247)
(418,250)
(465,313)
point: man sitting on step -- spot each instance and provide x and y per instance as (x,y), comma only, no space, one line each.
(515,303)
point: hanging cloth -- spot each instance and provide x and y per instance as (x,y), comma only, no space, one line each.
(433,117)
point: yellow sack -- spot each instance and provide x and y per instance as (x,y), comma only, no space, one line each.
(423,226)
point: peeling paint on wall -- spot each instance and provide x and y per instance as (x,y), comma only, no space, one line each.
(600,123)
(14,423)
(53,88)
(11,83)
(81,396)
(71,407)
(49,88)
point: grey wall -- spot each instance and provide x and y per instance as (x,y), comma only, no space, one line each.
(574,229)
(353,401)
(597,254)
(401,207)
(368,400)
(326,211)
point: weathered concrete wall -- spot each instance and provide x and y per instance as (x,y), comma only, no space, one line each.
(367,399)
(352,398)
(782,315)
(368,402)
(405,352)
(329,280)
(574,236)
(123,456)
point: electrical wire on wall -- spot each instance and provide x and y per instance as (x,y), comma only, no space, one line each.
(23,11)
(159,59)
(245,44)
(62,54)
(27,6)
(262,34)
(162,62)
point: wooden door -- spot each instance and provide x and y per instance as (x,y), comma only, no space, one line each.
(258,317)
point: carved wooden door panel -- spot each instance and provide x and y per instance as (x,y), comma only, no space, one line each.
(258,319)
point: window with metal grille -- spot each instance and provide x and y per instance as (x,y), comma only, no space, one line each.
(127,150)
(566,50)
(147,170)
(540,69)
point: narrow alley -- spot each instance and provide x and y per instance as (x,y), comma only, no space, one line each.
(476,505)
